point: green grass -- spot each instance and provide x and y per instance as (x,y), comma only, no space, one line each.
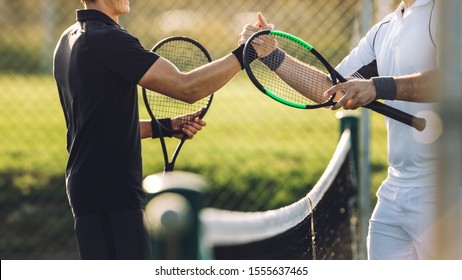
(256,154)
(251,144)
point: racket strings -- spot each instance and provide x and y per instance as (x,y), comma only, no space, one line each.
(186,57)
(310,82)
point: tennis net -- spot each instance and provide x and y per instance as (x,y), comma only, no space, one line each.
(321,225)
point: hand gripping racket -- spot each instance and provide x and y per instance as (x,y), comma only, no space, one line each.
(292,72)
(186,54)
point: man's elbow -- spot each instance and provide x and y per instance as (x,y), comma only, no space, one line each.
(191,94)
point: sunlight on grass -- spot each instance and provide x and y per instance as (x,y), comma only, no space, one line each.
(246,133)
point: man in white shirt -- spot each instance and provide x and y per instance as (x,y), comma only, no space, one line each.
(403,44)
(404,47)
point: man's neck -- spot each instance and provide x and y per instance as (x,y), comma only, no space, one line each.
(408,3)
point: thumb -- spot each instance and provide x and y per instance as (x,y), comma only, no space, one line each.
(261,20)
(198,112)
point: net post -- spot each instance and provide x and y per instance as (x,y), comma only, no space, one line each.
(352,121)
(172,212)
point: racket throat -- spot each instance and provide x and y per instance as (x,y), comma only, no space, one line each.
(169,167)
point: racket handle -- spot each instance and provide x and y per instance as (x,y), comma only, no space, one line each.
(398,115)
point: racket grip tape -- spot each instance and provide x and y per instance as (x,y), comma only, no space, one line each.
(417,123)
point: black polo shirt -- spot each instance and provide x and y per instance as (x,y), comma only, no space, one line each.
(97,65)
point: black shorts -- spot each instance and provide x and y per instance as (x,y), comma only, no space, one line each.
(116,235)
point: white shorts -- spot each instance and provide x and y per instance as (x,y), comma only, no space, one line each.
(403,224)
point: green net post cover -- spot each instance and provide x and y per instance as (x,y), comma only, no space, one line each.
(350,120)
(175,200)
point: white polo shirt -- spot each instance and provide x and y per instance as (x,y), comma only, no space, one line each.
(402,44)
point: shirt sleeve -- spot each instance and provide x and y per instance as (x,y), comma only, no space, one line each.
(363,54)
(127,57)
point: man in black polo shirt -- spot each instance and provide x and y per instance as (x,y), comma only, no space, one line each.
(97,67)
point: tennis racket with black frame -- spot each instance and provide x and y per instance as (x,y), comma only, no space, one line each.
(272,77)
(186,54)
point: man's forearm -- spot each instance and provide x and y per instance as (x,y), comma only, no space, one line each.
(145,129)
(419,87)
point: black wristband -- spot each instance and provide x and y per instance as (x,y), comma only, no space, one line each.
(165,127)
(239,53)
(274,59)
(385,87)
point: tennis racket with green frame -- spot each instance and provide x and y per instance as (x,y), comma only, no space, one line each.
(294,73)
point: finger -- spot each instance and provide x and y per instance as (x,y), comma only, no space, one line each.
(189,131)
(261,20)
(193,116)
(269,26)
(193,126)
(341,102)
(200,122)
(197,113)
(249,29)
(334,89)
(186,131)
(351,104)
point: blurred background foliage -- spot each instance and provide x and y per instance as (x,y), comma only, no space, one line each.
(256,154)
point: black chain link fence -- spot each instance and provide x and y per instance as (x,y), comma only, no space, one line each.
(256,154)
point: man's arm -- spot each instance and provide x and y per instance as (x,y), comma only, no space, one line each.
(165,78)
(190,128)
(419,87)
(189,124)
(145,129)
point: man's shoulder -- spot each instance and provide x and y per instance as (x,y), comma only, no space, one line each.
(112,34)
(71,29)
